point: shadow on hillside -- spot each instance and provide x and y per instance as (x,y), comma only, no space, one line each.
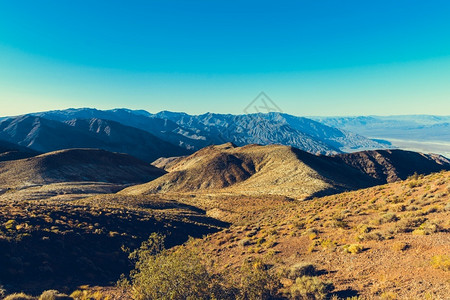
(323,193)
(342,176)
(171,205)
(85,247)
(344,294)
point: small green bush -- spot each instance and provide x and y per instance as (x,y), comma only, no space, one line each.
(180,273)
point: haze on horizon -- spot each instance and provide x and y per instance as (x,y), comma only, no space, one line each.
(311,58)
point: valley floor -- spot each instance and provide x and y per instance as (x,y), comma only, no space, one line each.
(442,148)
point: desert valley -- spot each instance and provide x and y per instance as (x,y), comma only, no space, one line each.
(124,204)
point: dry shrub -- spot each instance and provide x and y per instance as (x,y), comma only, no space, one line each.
(408,224)
(427,228)
(180,273)
(353,248)
(307,287)
(54,295)
(257,282)
(300,269)
(400,246)
(19,296)
(371,236)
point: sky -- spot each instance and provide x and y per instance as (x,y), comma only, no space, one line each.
(312,58)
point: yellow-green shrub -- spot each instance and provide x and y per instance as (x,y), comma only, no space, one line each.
(307,287)
(441,262)
(353,248)
(19,296)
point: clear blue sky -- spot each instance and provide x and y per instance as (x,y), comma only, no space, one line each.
(311,57)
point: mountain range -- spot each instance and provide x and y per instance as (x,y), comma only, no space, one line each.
(46,135)
(166,134)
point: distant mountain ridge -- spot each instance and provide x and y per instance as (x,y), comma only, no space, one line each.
(193,132)
(45,135)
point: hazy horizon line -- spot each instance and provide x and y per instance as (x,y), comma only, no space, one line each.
(233,114)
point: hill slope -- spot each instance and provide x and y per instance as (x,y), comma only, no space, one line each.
(76,165)
(9,151)
(282,170)
(399,233)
